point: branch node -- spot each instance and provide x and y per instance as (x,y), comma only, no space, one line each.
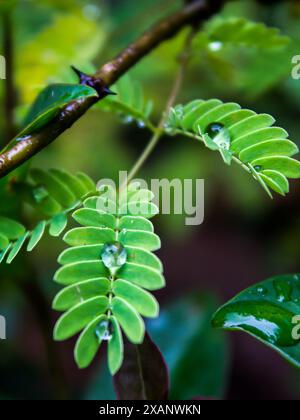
(96,83)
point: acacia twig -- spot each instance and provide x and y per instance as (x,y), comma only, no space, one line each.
(19,152)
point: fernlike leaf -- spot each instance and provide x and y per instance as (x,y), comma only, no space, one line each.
(110,256)
(269,311)
(54,193)
(129,103)
(242,136)
(240,31)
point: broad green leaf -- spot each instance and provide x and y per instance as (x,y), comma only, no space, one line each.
(71,322)
(115,348)
(141,300)
(88,343)
(268,312)
(58,224)
(129,319)
(36,236)
(74,294)
(76,272)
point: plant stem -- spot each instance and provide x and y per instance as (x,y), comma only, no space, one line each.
(159,131)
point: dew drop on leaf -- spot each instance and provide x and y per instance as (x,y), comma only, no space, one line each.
(103,331)
(263,319)
(220,135)
(113,255)
(262,290)
(258,168)
(283,290)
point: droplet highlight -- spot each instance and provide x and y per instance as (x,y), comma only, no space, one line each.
(103,331)
(220,135)
(113,255)
(283,290)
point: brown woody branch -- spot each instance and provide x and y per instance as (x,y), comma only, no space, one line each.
(18,152)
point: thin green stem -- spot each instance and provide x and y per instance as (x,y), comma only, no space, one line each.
(159,131)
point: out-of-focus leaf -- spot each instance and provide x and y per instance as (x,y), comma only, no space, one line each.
(71,38)
(144,374)
(197,357)
(269,311)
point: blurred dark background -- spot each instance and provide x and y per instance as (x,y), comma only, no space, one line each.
(245,238)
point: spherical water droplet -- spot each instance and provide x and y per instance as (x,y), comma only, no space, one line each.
(103,331)
(258,168)
(113,255)
(283,290)
(128,119)
(220,135)
(215,46)
(262,290)
(141,124)
(214,129)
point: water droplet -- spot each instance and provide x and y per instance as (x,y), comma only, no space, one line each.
(128,119)
(113,255)
(141,124)
(124,231)
(262,290)
(103,331)
(258,168)
(283,290)
(265,320)
(23,138)
(214,129)
(219,134)
(215,46)
(39,194)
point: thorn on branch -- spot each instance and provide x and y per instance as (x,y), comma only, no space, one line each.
(98,84)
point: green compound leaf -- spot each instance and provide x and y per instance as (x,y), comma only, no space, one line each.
(54,194)
(129,103)
(269,311)
(240,31)
(242,136)
(110,256)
